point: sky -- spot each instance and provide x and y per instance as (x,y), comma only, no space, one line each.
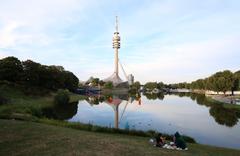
(161,40)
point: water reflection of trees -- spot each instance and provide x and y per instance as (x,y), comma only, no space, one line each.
(97,99)
(154,96)
(61,111)
(222,115)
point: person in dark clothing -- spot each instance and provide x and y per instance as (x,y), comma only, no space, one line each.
(179,141)
(160,140)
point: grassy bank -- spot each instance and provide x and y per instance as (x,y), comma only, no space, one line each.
(210,99)
(29,107)
(100,129)
(28,138)
(226,105)
(19,103)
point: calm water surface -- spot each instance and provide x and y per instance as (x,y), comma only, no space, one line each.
(190,114)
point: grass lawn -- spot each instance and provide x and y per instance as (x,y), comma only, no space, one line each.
(20,104)
(28,138)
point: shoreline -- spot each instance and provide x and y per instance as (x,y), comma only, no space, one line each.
(226,99)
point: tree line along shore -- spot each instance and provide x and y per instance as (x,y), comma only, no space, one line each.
(28,88)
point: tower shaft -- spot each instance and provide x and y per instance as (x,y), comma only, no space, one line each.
(116,61)
(116,46)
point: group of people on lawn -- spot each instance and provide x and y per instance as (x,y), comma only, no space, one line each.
(178,142)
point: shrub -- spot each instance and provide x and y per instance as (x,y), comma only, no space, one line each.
(62,97)
(108,85)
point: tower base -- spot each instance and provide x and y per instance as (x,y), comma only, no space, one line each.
(115,79)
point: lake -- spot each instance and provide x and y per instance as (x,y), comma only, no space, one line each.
(190,114)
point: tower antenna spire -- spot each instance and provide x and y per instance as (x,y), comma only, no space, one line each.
(116,26)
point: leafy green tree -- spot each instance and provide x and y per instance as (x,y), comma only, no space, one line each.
(181,85)
(10,69)
(224,81)
(236,83)
(70,81)
(136,85)
(37,75)
(57,77)
(31,72)
(199,84)
(211,83)
(150,85)
(95,81)
(160,85)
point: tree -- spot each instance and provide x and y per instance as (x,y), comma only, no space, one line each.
(57,78)
(136,85)
(199,84)
(95,81)
(70,81)
(211,83)
(221,81)
(160,85)
(181,85)
(150,85)
(31,72)
(236,83)
(10,69)
(34,74)
(224,81)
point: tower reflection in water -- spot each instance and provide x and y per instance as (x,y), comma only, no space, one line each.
(115,101)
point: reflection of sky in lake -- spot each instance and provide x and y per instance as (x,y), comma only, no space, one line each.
(169,115)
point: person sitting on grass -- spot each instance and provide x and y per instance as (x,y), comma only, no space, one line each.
(160,140)
(179,142)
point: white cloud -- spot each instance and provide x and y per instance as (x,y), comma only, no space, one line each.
(7,35)
(29,22)
(166,41)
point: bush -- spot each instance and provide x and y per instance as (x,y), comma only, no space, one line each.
(108,85)
(62,97)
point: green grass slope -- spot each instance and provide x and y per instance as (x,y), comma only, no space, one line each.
(19,103)
(28,138)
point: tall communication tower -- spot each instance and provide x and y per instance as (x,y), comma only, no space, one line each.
(114,78)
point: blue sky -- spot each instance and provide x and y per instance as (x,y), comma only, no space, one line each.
(162,40)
